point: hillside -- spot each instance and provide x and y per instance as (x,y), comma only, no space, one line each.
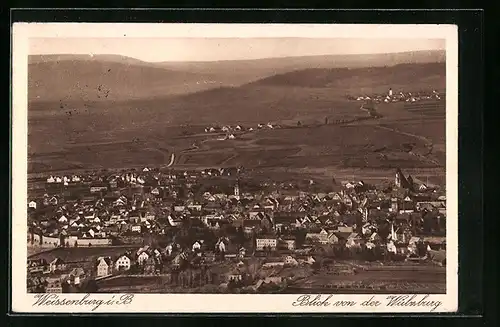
(89,80)
(270,66)
(36,59)
(113,77)
(304,94)
(432,74)
(295,95)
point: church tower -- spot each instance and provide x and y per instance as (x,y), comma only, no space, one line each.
(237,190)
(397,180)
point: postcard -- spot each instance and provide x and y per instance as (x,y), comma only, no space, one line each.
(234,168)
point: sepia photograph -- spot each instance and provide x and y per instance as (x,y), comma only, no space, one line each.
(195,162)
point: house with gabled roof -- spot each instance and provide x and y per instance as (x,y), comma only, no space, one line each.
(353,240)
(32,205)
(123,262)
(104,266)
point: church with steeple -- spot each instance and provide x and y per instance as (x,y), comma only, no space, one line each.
(237,190)
(402,182)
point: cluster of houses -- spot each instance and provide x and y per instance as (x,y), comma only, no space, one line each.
(408,219)
(238,128)
(55,276)
(392,96)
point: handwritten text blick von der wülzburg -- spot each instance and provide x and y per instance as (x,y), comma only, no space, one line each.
(391,301)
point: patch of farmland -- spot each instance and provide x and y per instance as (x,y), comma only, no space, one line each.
(427,108)
(262,157)
(41,165)
(433,130)
(272,141)
(117,157)
(204,159)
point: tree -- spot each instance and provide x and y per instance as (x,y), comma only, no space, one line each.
(384,231)
(181,278)
(240,236)
(299,123)
(428,224)
(300,237)
(231,285)
(76,244)
(90,287)
(421,249)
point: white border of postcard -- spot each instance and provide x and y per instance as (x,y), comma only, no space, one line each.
(219,303)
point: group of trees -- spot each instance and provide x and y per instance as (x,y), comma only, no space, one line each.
(364,253)
(432,224)
(193,278)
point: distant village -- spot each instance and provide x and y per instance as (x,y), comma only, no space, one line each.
(401,96)
(231,132)
(221,227)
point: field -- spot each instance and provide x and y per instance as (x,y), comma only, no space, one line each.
(73,134)
(383,279)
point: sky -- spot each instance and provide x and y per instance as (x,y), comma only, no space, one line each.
(218,49)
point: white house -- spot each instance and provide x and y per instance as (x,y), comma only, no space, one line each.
(142,258)
(196,246)
(310,260)
(122,263)
(221,246)
(32,204)
(289,260)
(172,221)
(136,228)
(169,249)
(104,267)
(391,247)
(63,219)
(266,242)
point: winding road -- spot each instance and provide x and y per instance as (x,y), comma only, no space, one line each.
(172,159)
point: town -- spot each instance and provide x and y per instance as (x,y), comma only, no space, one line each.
(225,230)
